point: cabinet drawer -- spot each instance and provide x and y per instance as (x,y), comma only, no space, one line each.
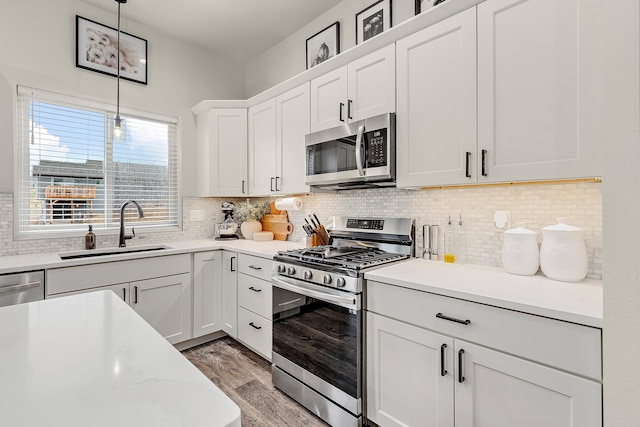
(255,295)
(567,346)
(255,332)
(255,266)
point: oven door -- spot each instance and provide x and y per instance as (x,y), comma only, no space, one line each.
(317,339)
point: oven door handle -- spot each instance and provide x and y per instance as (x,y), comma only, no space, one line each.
(343,301)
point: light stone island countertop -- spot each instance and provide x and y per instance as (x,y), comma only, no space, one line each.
(90,360)
(572,302)
(18,263)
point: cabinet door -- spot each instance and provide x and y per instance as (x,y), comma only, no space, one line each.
(262,148)
(328,100)
(539,89)
(405,381)
(207,293)
(436,91)
(371,84)
(230,293)
(222,152)
(293,115)
(499,390)
(165,303)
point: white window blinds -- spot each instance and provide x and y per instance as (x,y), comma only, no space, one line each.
(72,171)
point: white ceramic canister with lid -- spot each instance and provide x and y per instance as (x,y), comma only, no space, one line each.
(563,254)
(520,254)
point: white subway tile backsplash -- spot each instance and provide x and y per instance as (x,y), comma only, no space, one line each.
(538,205)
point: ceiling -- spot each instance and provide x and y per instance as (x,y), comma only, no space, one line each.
(241,29)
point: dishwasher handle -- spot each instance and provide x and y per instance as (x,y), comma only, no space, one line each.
(19,287)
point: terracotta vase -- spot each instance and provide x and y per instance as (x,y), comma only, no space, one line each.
(249,227)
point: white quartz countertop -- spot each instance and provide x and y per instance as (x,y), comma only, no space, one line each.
(572,302)
(18,263)
(90,360)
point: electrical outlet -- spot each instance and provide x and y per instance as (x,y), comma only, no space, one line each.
(502,219)
(196,215)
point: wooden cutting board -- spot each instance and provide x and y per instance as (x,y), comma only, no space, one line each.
(279,225)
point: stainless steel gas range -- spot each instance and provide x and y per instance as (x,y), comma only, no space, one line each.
(318,297)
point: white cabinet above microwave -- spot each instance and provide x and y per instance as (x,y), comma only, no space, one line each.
(363,88)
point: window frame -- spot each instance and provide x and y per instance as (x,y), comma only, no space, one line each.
(22,168)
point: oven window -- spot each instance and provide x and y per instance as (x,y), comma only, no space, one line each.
(323,339)
(332,156)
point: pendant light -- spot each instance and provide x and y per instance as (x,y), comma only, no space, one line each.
(117,130)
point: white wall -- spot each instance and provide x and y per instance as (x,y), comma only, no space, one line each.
(37,46)
(288,58)
(621,214)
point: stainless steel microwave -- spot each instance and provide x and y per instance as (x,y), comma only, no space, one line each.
(360,154)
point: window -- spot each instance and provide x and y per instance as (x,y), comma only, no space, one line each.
(72,171)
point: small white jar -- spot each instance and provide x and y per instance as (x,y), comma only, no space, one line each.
(563,254)
(520,254)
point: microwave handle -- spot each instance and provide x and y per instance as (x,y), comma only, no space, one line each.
(359,144)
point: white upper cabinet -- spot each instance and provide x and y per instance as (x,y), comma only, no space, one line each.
(293,116)
(222,152)
(539,89)
(262,148)
(361,89)
(277,128)
(436,111)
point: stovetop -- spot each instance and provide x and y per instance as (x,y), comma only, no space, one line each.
(348,257)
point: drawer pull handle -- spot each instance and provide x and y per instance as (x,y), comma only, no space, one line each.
(460,377)
(255,290)
(135,294)
(255,268)
(124,294)
(443,371)
(453,319)
(254,326)
(467,173)
(232,258)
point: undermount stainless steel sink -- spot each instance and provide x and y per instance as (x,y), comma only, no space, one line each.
(111,251)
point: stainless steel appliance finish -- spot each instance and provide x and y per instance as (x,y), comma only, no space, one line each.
(318,334)
(360,154)
(18,288)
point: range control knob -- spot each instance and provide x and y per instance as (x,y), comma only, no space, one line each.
(340,282)
(326,279)
(282,268)
(291,271)
(307,275)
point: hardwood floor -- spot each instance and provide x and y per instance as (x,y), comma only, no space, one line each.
(246,378)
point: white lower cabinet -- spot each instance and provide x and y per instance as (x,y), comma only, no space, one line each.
(405,386)
(165,303)
(230,293)
(157,288)
(207,293)
(254,303)
(420,372)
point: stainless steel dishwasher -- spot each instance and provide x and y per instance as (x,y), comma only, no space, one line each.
(16,288)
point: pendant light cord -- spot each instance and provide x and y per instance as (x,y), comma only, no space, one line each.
(118,78)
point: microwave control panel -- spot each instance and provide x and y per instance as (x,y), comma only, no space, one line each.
(376,147)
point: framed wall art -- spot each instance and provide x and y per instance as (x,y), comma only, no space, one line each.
(97,50)
(423,5)
(373,20)
(323,45)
